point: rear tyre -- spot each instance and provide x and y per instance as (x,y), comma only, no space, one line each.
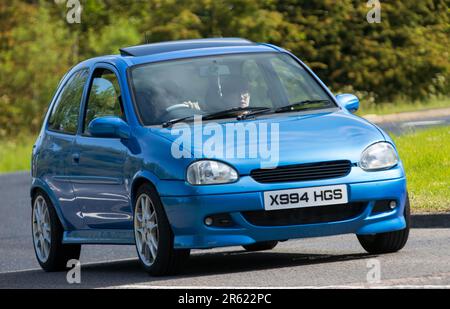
(154,237)
(47,231)
(387,242)
(261,246)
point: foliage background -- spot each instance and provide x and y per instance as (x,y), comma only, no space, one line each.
(405,57)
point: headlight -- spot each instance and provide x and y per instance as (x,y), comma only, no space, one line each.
(207,172)
(379,156)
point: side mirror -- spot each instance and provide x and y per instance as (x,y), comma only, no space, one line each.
(349,101)
(109,127)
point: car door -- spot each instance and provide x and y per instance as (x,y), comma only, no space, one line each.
(98,165)
(56,150)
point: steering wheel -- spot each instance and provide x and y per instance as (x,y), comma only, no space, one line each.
(176,111)
(177,106)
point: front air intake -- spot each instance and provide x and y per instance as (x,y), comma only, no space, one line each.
(302,172)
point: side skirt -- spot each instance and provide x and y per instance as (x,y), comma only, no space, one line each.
(99,237)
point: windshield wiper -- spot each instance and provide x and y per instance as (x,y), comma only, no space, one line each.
(293,107)
(262,110)
(170,123)
(235,111)
(221,114)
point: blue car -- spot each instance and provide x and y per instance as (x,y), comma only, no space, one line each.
(208,143)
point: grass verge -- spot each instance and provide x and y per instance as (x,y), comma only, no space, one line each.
(15,155)
(426,157)
(400,107)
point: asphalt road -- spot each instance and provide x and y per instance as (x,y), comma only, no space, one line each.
(401,127)
(331,261)
(406,122)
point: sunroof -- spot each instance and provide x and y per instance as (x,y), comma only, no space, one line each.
(164,47)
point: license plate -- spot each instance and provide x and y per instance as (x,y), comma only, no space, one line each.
(305,197)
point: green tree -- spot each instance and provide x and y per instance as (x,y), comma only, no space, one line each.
(405,56)
(35,55)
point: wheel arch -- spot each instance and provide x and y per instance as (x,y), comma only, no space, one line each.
(40,186)
(139,179)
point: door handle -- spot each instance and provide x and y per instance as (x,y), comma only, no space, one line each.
(76,158)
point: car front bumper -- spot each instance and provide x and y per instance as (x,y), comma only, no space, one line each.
(187,215)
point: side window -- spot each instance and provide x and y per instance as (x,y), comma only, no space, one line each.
(104,97)
(259,90)
(297,82)
(64,116)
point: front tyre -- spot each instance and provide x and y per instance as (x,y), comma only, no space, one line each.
(47,231)
(387,242)
(153,235)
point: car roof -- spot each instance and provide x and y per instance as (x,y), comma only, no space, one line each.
(165,47)
(172,50)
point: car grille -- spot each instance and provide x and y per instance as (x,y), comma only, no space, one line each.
(302,172)
(309,215)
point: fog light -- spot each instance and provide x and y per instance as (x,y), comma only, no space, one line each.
(209,221)
(219,220)
(392,204)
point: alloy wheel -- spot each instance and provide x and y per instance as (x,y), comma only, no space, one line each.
(41,229)
(146,229)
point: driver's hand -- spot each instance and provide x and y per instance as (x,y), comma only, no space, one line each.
(193,105)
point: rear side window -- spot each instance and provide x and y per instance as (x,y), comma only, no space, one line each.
(64,116)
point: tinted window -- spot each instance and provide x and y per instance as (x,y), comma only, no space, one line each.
(297,83)
(258,88)
(64,116)
(198,86)
(104,97)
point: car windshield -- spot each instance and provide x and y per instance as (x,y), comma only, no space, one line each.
(179,89)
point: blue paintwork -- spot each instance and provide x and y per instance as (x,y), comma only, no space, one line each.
(90,179)
(349,101)
(186,214)
(109,127)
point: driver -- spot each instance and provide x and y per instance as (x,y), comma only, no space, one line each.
(233,91)
(167,101)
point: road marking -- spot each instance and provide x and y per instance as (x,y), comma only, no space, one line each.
(416,280)
(409,116)
(19,271)
(422,123)
(82,265)
(181,287)
(400,283)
